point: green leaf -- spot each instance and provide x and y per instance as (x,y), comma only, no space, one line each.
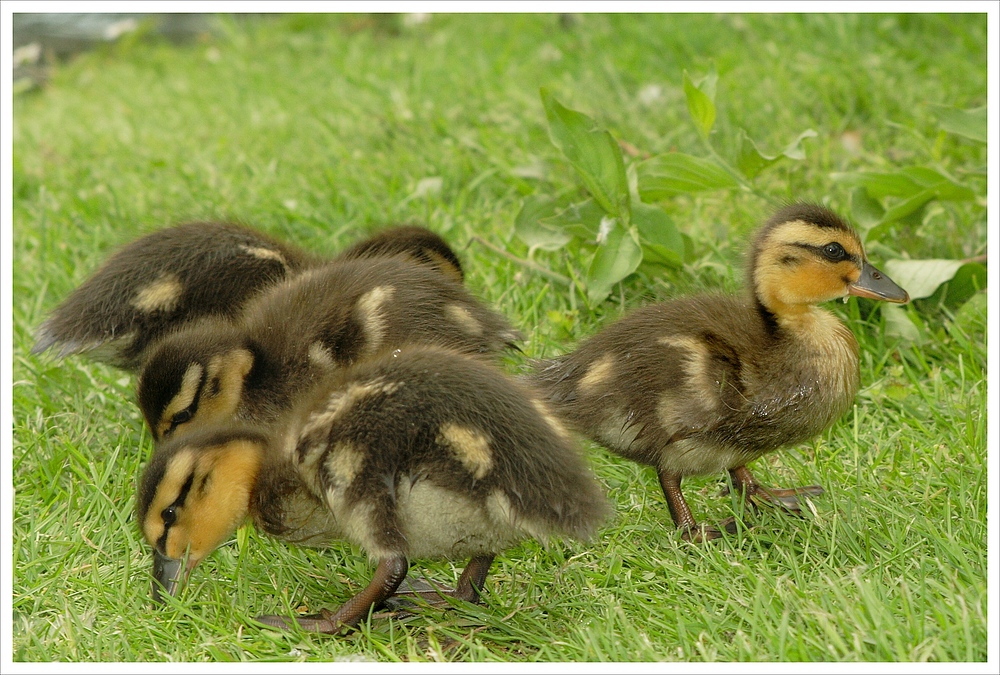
(530,229)
(675,173)
(661,241)
(971,316)
(582,219)
(899,324)
(593,153)
(921,278)
(751,161)
(618,255)
(968,280)
(969,123)
(701,101)
(907,183)
(866,211)
(794,149)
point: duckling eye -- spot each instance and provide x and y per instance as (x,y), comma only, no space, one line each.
(834,252)
(169,516)
(180,418)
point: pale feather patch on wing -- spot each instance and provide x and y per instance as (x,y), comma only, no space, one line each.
(471,447)
(701,384)
(369,308)
(163,295)
(550,419)
(342,401)
(320,356)
(597,373)
(463,317)
(343,463)
(265,254)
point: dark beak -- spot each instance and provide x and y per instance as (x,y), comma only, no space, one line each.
(876,285)
(167,575)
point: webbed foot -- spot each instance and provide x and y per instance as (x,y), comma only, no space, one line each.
(758,495)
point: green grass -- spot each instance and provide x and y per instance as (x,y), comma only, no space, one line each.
(318,129)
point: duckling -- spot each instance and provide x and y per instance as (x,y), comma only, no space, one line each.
(418,243)
(710,383)
(181,273)
(162,280)
(421,452)
(326,318)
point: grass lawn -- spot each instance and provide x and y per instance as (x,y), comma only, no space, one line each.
(320,129)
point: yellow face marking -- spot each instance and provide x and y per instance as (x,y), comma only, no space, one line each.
(801,232)
(223,388)
(216,503)
(463,317)
(343,463)
(265,254)
(160,296)
(369,308)
(598,372)
(789,289)
(166,492)
(469,446)
(183,399)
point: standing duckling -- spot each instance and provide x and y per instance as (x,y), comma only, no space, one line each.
(328,317)
(710,383)
(419,453)
(162,280)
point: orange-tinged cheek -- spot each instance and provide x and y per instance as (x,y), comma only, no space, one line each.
(812,283)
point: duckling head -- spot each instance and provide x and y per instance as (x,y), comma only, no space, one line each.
(193,494)
(804,255)
(194,377)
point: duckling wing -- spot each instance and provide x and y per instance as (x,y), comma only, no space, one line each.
(162,281)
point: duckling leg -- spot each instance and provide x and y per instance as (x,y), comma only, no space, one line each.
(470,585)
(681,512)
(388,575)
(787,498)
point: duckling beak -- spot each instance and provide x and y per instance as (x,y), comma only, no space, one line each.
(167,575)
(876,285)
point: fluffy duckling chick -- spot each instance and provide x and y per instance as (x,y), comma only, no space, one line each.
(418,453)
(182,273)
(710,383)
(323,319)
(418,243)
(161,280)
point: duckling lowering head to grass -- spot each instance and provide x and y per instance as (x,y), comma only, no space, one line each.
(710,383)
(418,453)
(162,280)
(326,318)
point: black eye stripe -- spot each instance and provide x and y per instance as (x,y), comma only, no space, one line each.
(833,251)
